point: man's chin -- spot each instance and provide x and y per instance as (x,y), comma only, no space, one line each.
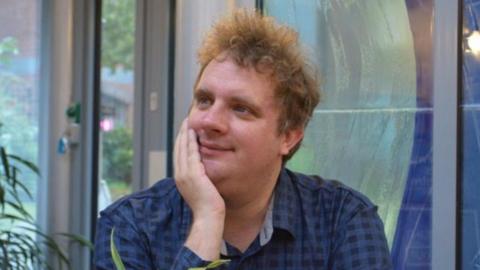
(216,176)
(215,172)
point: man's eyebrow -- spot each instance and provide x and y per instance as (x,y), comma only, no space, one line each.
(248,102)
(239,99)
(201,92)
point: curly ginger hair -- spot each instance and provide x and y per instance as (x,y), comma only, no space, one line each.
(256,41)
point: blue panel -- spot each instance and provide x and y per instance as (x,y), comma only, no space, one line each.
(412,242)
(471,143)
(471,189)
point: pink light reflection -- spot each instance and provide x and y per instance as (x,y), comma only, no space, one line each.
(106,124)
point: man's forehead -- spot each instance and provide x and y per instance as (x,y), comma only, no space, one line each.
(228,72)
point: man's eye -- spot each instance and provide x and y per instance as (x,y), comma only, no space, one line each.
(242,109)
(203,101)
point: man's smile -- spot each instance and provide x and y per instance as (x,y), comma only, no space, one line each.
(210,148)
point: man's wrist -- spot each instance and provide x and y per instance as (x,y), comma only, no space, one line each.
(205,237)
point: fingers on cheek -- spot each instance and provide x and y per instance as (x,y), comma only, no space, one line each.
(183,150)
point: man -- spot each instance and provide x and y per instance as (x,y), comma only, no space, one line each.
(232,197)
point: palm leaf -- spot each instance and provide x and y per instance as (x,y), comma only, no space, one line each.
(50,242)
(2,197)
(3,157)
(22,244)
(14,181)
(211,265)
(13,217)
(27,163)
(78,239)
(117,260)
(19,208)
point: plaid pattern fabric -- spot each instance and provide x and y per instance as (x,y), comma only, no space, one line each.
(317,224)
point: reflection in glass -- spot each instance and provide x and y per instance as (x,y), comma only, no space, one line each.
(19,88)
(470,211)
(117,99)
(373,129)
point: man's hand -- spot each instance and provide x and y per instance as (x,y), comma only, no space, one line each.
(201,195)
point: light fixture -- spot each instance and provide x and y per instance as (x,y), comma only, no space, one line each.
(473,42)
(471,36)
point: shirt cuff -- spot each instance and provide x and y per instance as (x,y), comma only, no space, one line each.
(186,258)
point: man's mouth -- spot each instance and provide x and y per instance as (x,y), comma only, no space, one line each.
(209,148)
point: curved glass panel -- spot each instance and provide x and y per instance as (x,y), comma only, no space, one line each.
(373,129)
(470,105)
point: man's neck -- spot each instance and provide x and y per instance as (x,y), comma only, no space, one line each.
(245,216)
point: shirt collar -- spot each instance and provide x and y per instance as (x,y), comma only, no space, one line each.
(286,208)
(286,213)
(265,232)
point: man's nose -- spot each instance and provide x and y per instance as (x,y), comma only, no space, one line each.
(214,120)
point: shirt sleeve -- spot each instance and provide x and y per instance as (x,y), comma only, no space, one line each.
(133,249)
(186,258)
(361,243)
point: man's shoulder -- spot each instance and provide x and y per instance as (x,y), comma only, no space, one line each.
(328,190)
(160,194)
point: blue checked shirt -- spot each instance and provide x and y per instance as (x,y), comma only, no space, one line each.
(311,224)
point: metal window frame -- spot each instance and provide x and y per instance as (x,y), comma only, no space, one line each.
(84,159)
(55,78)
(86,77)
(44,119)
(153,59)
(445,135)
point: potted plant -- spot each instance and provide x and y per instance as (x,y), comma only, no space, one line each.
(22,243)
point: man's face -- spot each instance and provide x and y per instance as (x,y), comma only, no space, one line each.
(235,116)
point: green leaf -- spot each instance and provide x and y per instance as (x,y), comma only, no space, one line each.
(20,209)
(27,163)
(6,259)
(211,265)
(2,196)
(50,242)
(61,256)
(217,263)
(115,256)
(79,239)
(23,245)
(16,183)
(12,218)
(14,195)
(6,166)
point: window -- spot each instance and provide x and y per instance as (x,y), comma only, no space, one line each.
(19,87)
(117,100)
(470,109)
(373,129)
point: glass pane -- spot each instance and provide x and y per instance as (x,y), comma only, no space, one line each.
(471,137)
(19,89)
(373,129)
(117,100)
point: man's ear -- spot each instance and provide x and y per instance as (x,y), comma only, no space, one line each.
(290,138)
